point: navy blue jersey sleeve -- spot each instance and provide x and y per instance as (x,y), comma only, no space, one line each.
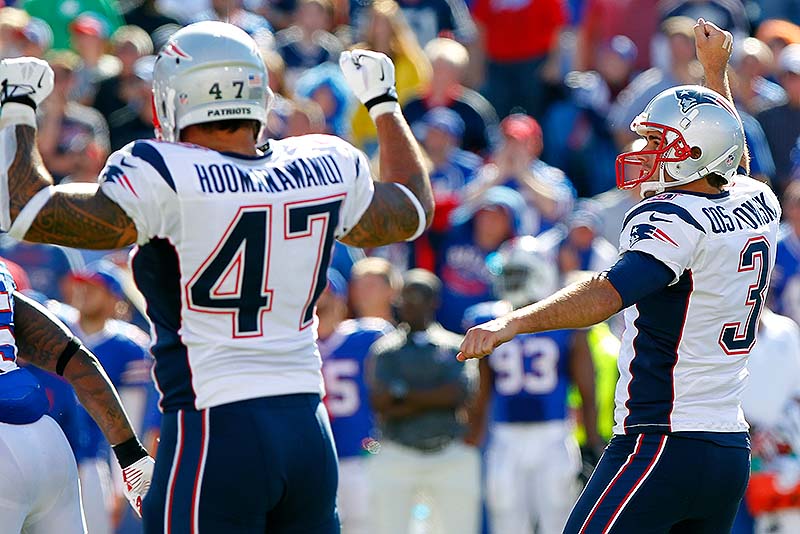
(637,275)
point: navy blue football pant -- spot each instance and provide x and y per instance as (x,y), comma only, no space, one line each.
(258,466)
(657,484)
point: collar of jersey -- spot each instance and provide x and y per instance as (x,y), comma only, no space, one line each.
(266,148)
(721,194)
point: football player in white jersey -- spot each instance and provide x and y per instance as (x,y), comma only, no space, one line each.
(38,474)
(233,245)
(694,267)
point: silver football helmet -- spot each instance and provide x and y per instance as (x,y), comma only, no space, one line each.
(522,272)
(701,133)
(208,71)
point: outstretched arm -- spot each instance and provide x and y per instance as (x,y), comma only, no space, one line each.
(713,46)
(75,216)
(576,306)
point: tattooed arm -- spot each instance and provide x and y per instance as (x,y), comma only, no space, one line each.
(391,216)
(75,217)
(41,338)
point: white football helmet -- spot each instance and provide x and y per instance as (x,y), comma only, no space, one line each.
(522,272)
(701,133)
(208,71)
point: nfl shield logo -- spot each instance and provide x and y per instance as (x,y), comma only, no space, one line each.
(183,98)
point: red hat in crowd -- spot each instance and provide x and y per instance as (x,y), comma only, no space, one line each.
(90,24)
(523,128)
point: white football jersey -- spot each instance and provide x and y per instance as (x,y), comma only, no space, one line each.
(232,255)
(684,349)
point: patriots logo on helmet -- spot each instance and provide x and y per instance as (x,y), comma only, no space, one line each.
(116,175)
(640,232)
(689,99)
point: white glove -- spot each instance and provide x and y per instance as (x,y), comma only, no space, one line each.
(370,76)
(137,477)
(24,83)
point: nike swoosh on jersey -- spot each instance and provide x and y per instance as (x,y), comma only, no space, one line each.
(653,218)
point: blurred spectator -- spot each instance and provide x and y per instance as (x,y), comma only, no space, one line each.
(344,345)
(523,399)
(440,132)
(308,42)
(419,391)
(121,349)
(752,61)
(233,12)
(45,265)
(374,287)
(90,35)
(129,43)
(683,69)
(183,11)
(617,63)
(728,14)
(325,85)
(386,30)
(162,34)
(784,291)
(782,123)
(69,131)
(60,15)
(32,39)
(577,134)
(518,36)
(777,34)
(438,18)
(147,15)
(577,245)
(770,404)
(762,164)
(603,19)
(459,252)
(134,120)
(516,164)
(449,60)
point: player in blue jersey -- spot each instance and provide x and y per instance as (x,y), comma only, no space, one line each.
(121,348)
(344,345)
(38,473)
(785,286)
(234,240)
(695,262)
(532,449)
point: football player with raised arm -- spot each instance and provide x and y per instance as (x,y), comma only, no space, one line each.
(692,276)
(38,474)
(234,241)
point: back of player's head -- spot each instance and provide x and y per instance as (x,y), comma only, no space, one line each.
(208,72)
(521,271)
(701,135)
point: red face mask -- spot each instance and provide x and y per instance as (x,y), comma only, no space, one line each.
(630,168)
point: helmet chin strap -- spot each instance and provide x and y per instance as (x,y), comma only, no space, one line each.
(661,185)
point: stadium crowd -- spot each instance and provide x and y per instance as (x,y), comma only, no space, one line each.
(521,108)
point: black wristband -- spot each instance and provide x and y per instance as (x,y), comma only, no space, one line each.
(28,101)
(73,345)
(388,97)
(129,452)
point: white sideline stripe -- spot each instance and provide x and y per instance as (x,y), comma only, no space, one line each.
(611,483)
(172,472)
(206,434)
(636,488)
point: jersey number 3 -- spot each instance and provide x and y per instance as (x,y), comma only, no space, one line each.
(244,251)
(734,338)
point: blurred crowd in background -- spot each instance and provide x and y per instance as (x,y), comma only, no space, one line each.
(521,107)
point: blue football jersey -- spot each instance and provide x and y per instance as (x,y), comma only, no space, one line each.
(343,355)
(530,373)
(22,398)
(785,287)
(120,350)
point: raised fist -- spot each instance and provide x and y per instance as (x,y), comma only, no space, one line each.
(25,80)
(370,76)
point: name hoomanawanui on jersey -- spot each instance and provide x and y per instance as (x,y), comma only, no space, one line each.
(232,255)
(683,358)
